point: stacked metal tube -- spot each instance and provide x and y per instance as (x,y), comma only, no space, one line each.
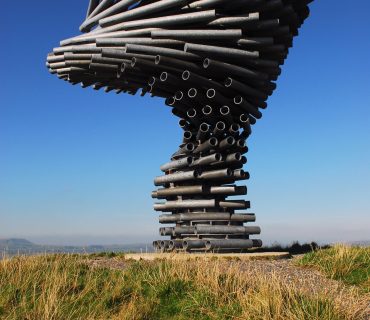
(215,62)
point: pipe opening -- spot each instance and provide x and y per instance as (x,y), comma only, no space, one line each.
(133,62)
(163,76)
(170,101)
(185,75)
(190,146)
(206,63)
(213,141)
(220,125)
(204,127)
(241,143)
(225,110)
(208,244)
(244,118)
(179,95)
(228,82)
(192,92)
(238,99)
(171,245)
(191,113)
(235,127)
(157,59)
(207,110)
(211,93)
(182,122)
(151,81)
(187,135)
(230,140)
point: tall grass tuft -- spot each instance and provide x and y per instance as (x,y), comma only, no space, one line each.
(57,287)
(342,262)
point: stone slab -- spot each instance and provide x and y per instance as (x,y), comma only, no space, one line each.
(187,256)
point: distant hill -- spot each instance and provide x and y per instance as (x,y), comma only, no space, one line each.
(15,243)
(364,243)
(22,246)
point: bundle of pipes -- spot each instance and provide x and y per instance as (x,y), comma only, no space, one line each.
(215,63)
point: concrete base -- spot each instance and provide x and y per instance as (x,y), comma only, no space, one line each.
(187,256)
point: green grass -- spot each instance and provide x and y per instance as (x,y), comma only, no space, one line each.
(65,287)
(350,265)
(107,254)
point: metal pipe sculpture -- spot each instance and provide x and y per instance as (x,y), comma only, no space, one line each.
(215,63)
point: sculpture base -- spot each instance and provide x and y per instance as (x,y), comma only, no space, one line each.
(204,244)
(209,255)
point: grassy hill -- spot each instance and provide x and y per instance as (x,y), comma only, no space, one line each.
(92,287)
(15,243)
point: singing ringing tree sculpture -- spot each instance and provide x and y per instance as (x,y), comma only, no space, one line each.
(215,63)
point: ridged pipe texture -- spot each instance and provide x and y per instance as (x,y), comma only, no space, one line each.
(215,62)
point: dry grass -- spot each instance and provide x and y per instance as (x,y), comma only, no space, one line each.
(342,262)
(56,287)
(66,287)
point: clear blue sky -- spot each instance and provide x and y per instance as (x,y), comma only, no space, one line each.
(76,166)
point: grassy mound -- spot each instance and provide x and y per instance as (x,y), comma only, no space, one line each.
(348,264)
(67,287)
